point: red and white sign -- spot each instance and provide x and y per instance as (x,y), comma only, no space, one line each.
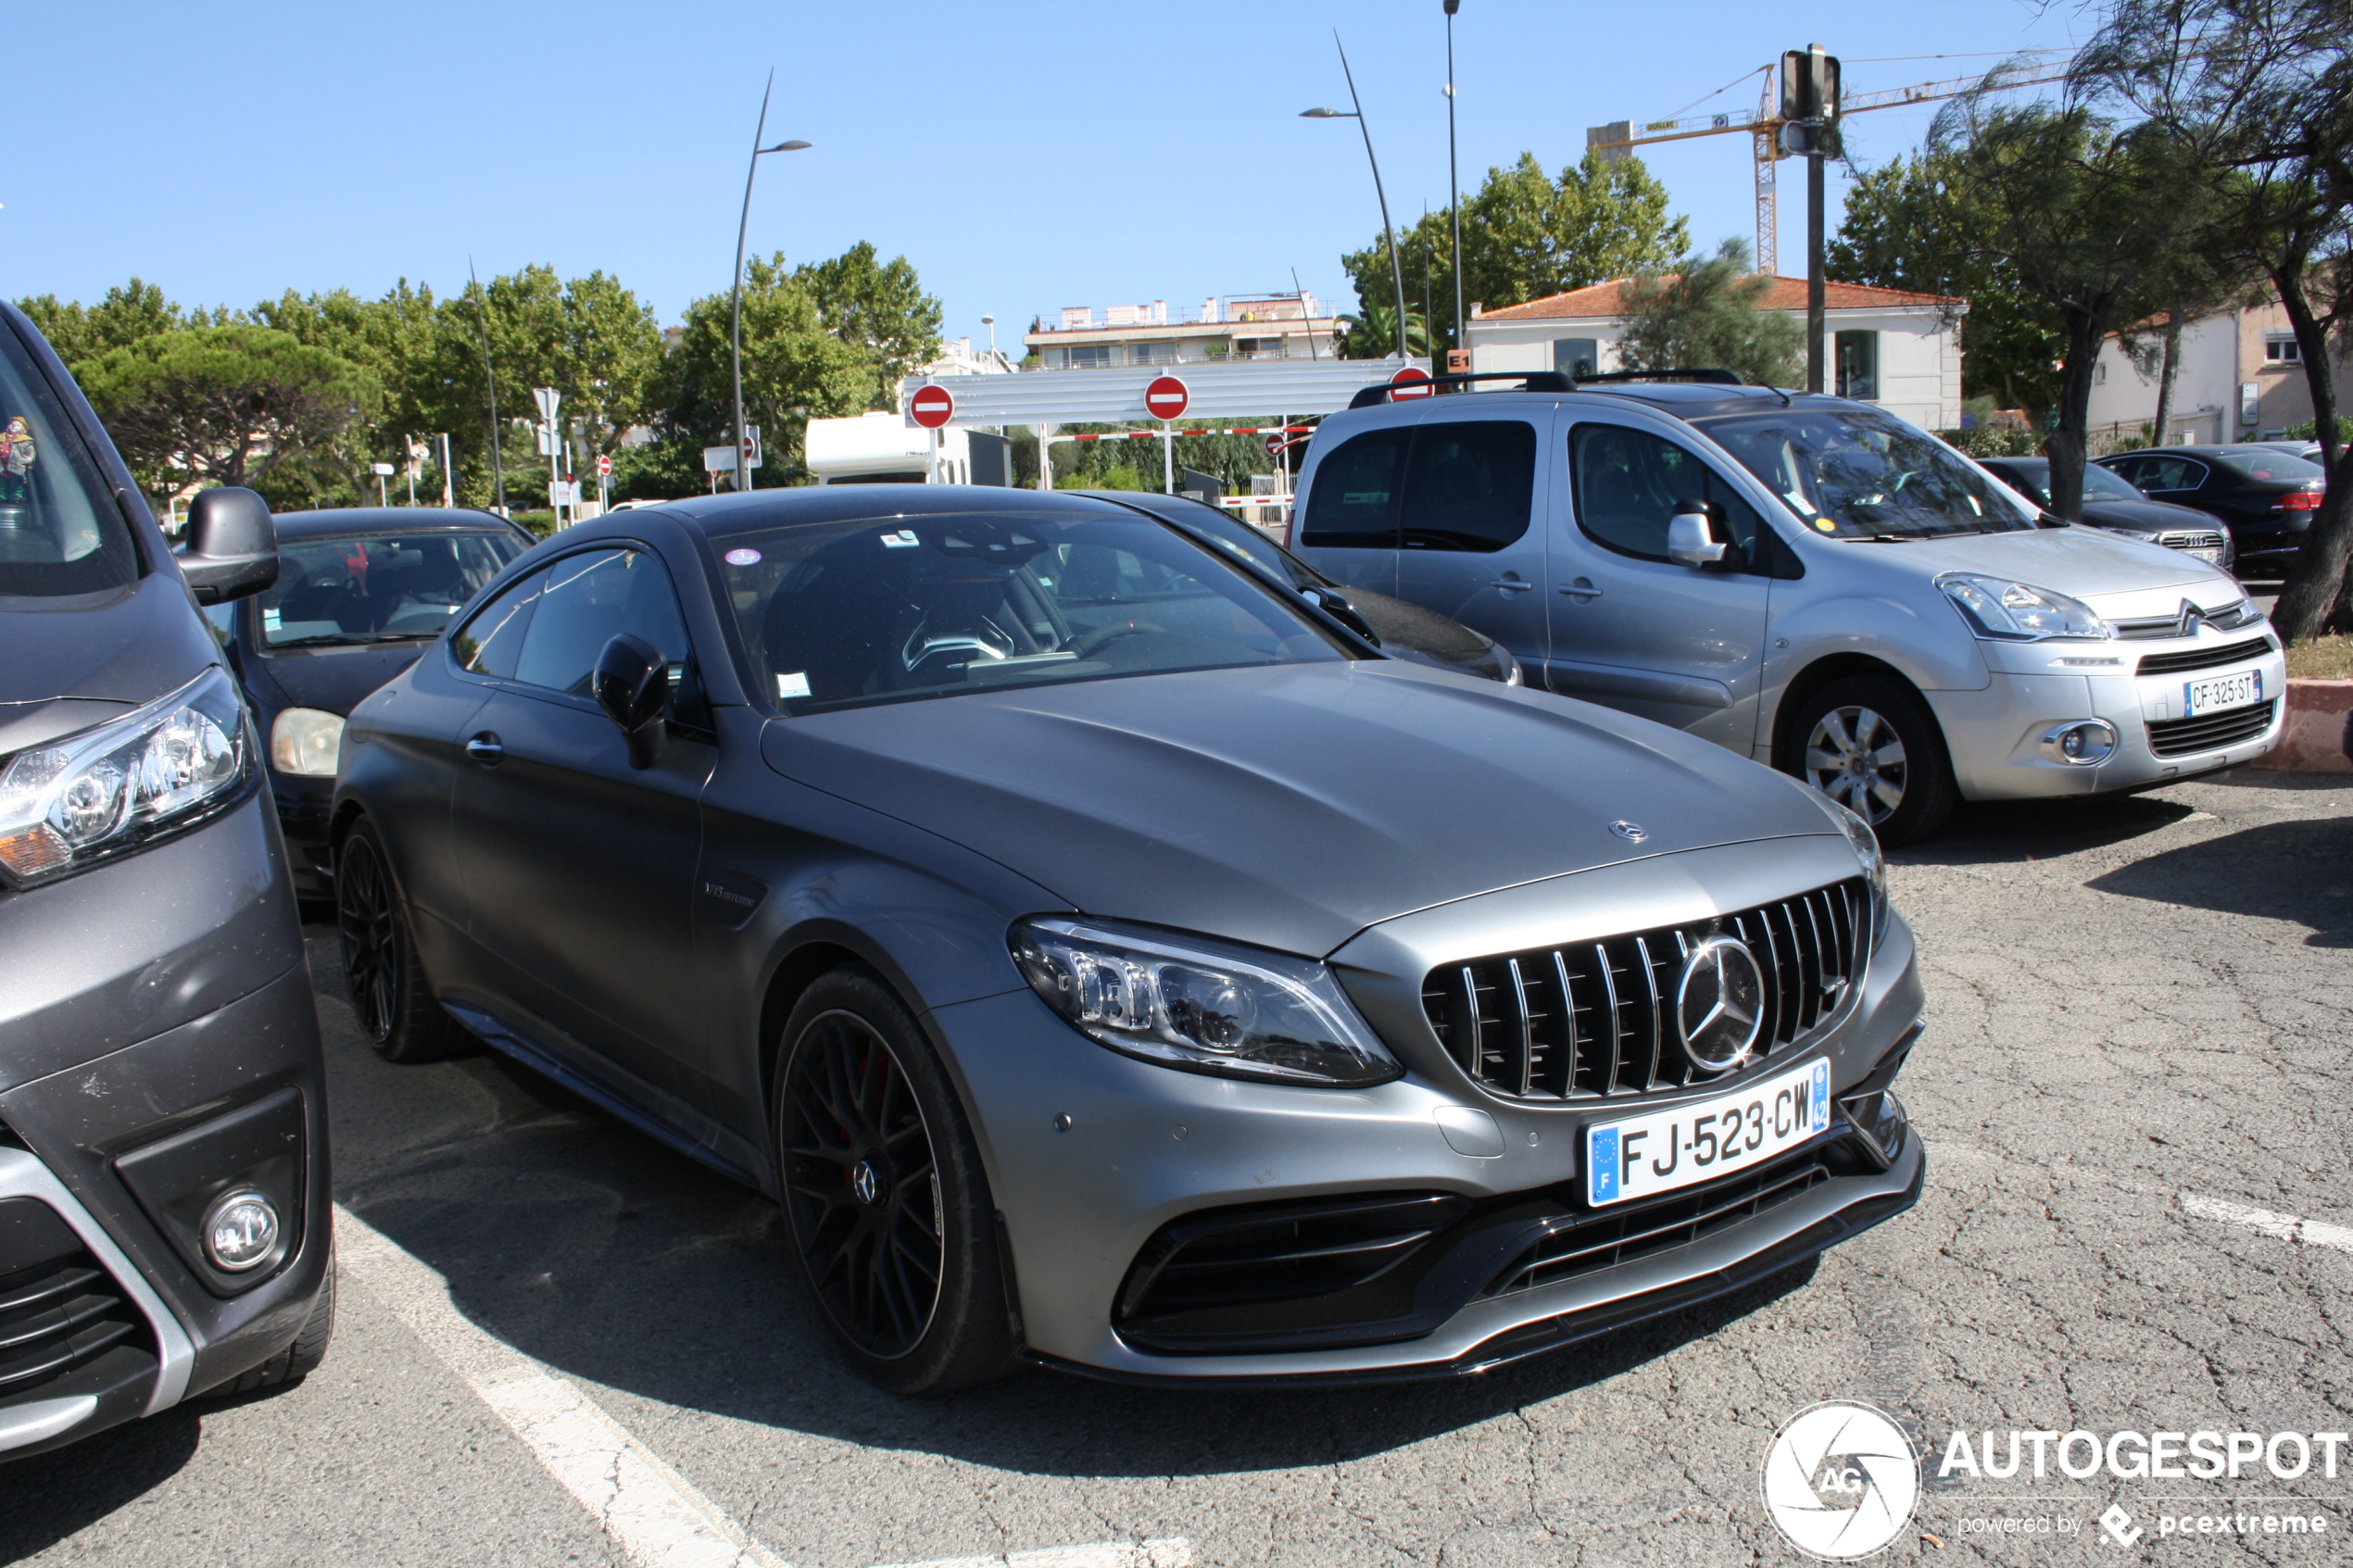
(1274,445)
(1402,384)
(604,467)
(932,406)
(1166,399)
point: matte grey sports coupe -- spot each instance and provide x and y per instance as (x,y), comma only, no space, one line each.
(1107,957)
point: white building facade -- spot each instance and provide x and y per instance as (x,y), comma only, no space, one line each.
(2240,377)
(1899,349)
(1232,328)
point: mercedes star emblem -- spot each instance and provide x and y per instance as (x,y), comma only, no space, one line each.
(1632,832)
(1720,1005)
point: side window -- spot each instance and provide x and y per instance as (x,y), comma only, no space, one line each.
(491,640)
(1469,485)
(584,602)
(2130,470)
(1576,356)
(1856,354)
(2171,473)
(1628,482)
(1355,502)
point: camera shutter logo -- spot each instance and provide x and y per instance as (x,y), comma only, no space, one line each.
(1840,1480)
(1720,1004)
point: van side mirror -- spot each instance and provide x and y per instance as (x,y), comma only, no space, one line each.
(232,546)
(1693,535)
(632,684)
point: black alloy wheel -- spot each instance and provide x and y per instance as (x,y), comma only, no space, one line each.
(389,991)
(884,1194)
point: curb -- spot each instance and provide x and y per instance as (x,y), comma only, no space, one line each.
(2317,737)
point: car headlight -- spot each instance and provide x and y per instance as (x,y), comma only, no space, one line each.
(306,742)
(110,789)
(1202,1006)
(1864,843)
(2000,610)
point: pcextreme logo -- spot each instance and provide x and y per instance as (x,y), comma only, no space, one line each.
(1840,1480)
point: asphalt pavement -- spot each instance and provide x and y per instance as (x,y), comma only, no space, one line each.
(2138,1216)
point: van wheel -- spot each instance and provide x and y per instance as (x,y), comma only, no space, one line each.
(1871,743)
(888,1207)
(389,986)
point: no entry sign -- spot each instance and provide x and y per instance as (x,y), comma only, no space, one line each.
(1166,399)
(1402,385)
(932,406)
(1274,445)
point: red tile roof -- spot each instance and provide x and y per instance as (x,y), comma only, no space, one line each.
(1787,294)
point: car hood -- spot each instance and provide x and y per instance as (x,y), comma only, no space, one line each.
(2119,578)
(2149,517)
(1288,807)
(335,679)
(129,645)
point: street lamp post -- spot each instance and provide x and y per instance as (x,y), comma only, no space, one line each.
(1396,271)
(736,308)
(1453,191)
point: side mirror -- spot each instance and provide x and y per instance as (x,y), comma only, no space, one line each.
(632,684)
(232,546)
(1691,534)
(1336,604)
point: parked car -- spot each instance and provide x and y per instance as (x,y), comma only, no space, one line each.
(1398,628)
(1106,958)
(361,592)
(2265,496)
(2307,450)
(165,1223)
(2111,504)
(1801,579)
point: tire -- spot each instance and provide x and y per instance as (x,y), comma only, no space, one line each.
(1870,743)
(389,991)
(892,1226)
(298,1359)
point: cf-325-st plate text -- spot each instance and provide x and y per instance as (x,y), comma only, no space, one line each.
(1695,1142)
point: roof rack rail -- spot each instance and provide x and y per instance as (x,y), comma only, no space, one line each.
(1533,380)
(1709,375)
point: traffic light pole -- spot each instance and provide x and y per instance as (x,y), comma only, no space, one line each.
(1814,320)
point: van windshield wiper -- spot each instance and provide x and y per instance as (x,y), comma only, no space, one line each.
(330,639)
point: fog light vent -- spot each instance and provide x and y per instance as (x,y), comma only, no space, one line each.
(2080,743)
(241,1231)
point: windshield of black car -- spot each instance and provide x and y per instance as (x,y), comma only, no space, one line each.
(1246,544)
(2270,466)
(883,609)
(60,532)
(1856,474)
(2099,484)
(377,587)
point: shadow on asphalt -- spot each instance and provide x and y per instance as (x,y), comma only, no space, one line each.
(2300,871)
(601,1253)
(2038,830)
(50,1497)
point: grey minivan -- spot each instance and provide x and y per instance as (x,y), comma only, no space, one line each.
(1803,579)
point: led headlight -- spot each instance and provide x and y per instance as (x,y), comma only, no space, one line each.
(2000,610)
(1864,843)
(108,789)
(1202,1006)
(306,742)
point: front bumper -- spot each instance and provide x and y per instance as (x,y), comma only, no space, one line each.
(1144,1146)
(1994,736)
(305,808)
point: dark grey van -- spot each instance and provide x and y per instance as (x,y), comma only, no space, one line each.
(164,1225)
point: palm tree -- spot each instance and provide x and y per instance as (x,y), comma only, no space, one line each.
(1372,333)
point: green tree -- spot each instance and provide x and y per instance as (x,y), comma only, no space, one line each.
(1526,235)
(1708,313)
(222,405)
(877,307)
(1371,334)
(80,333)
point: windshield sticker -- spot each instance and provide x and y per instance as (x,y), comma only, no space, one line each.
(793,683)
(1825,525)
(903,539)
(17,455)
(271,620)
(743,558)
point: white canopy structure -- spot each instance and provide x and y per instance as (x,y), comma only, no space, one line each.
(1244,389)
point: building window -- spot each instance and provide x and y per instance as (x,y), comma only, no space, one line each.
(1857,360)
(2280,348)
(1090,356)
(1576,356)
(1140,353)
(2099,374)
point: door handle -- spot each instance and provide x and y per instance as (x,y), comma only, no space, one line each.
(1511,584)
(1583,589)
(485,748)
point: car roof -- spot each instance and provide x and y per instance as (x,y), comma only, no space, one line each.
(1684,400)
(720,517)
(342,521)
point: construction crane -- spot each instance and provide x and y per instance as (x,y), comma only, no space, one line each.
(1765,128)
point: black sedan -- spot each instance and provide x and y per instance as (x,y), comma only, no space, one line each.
(361,592)
(2265,496)
(1401,630)
(2111,504)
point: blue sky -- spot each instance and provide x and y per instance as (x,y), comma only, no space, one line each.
(1023,156)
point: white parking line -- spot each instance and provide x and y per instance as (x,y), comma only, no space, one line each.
(2287,1228)
(1177,1552)
(650,1510)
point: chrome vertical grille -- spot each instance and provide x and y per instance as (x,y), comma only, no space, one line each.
(1592,1020)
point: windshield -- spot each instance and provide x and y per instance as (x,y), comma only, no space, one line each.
(1250,544)
(2099,484)
(2269,465)
(882,609)
(1855,473)
(60,532)
(377,587)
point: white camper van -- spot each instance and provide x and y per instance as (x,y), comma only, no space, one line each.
(884,450)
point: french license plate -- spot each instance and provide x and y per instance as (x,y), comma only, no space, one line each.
(1645,1155)
(2207,553)
(2220,691)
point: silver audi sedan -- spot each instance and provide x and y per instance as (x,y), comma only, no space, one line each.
(1107,957)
